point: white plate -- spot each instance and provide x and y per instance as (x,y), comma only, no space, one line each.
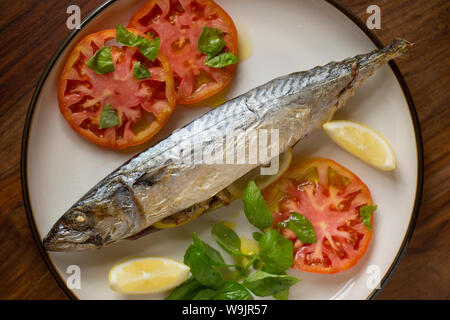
(58,166)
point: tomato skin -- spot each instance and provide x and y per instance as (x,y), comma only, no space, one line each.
(331,202)
(76,71)
(195,81)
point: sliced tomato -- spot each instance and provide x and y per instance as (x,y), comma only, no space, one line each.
(330,197)
(143,106)
(179,24)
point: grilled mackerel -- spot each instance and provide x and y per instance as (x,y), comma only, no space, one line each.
(161,181)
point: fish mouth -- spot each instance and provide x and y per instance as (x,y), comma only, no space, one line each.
(64,246)
(61,238)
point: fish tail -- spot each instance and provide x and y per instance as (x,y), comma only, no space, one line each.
(363,66)
(399,48)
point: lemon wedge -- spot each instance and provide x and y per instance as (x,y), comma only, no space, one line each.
(363,142)
(144,275)
(237,187)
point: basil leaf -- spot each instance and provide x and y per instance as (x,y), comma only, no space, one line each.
(264,284)
(229,291)
(233,291)
(140,72)
(282,295)
(149,48)
(210,41)
(214,255)
(126,38)
(186,291)
(301,226)
(257,236)
(366,212)
(205,294)
(201,267)
(255,207)
(101,62)
(226,238)
(221,60)
(276,252)
(108,117)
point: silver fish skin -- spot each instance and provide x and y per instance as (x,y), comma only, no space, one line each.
(161,181)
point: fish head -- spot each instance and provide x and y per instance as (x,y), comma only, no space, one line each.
(94,222)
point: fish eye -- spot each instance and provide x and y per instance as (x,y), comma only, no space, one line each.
(79,220)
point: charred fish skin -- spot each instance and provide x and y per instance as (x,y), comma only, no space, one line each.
(160,181)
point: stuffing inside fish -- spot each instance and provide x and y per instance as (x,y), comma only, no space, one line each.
(169,178)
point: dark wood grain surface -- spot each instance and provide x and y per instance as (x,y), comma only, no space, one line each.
(32,30)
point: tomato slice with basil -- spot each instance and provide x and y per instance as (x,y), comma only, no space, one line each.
(330,197)
(140,106)
(179,24)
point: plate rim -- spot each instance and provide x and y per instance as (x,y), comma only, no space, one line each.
(350,15)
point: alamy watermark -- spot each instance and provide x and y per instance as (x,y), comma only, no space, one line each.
(74,19)
(73,281)
(374,20)
(235,147)
(374,279)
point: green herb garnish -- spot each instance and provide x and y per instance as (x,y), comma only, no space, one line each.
(187,290)
(226,238)
(255,207)
(212,44)
(127,38)
(149,48)
(221,60)
(366,213)
(264,284)
(301,226)
(263,275)
(232,290)
(108,117)
(102,61)
(282,295)
(205,294)
(211,253)
(211,41)
(277,253)
(140,72)
(202,267)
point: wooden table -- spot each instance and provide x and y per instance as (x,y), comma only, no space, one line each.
(32,30)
